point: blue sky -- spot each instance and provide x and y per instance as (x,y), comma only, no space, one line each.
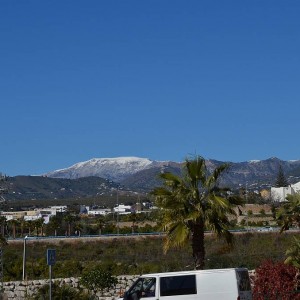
(154,79)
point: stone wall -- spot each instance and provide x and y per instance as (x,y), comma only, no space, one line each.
(26,289)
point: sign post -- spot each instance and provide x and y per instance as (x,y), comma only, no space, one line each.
(51,259)
(1,269)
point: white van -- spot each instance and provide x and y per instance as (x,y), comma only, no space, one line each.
(215,284)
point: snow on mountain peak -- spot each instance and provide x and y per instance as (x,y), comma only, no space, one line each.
(112,168)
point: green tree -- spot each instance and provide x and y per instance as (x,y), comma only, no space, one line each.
(3,223)
(39,224)
(14,224)
(133,219)
(281,180)
(100,221)
(262,212)
(293,259)
(192,203)
(70,219)
(293,254)
(98,279)
(30,225)
(53,225)
(22,225)
(289,213)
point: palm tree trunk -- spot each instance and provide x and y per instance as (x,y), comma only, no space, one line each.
(198,245)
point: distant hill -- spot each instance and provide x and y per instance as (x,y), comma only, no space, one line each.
(41,187)
(139,175)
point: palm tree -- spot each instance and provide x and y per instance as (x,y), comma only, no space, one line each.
(293,254)
(293,258)
(100,223)
(22,226)
(53,225)
(70,219)
(3,223)
(39,223)
(30,225)
(192,203)
(133,218)
(289,213)
(14,223)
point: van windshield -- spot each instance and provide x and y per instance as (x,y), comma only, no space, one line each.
(143,287)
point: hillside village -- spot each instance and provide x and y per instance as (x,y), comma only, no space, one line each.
(250,214)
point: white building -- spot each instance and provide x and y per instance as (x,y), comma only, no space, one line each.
(59,208)
(279,194)
(98,211)
(296,187)
(122,209)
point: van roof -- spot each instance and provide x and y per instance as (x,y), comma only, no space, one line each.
(194,272)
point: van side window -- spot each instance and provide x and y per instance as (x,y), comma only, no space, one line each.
(178,285)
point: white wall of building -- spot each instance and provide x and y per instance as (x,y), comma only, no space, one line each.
(280,194)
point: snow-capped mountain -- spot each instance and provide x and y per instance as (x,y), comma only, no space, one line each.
(140,175)
(116,169)
(142,172)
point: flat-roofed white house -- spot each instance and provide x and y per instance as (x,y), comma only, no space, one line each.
(122,209)
(98,211)
(279,194)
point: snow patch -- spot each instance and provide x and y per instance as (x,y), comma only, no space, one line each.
(112,168)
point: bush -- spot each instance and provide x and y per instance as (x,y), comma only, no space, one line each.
(98,279)
(60,292)
(275,281)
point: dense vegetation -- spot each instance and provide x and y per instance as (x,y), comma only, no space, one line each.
(139,255)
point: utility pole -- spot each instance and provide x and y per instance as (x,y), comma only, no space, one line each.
(118,229)
(24,258)
(3,190)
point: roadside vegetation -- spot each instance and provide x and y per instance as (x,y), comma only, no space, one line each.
(137,255)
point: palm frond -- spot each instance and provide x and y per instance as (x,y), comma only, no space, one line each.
(195,171)
(177,235)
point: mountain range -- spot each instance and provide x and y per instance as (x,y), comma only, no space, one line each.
(100,176)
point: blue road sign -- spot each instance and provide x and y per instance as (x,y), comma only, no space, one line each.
(51,257)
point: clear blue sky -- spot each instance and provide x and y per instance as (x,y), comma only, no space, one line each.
(154,79)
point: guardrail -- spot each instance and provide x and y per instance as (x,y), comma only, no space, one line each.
(274,229)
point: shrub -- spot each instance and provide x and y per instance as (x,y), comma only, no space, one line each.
(275,281)
(98,279)
(60,292)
